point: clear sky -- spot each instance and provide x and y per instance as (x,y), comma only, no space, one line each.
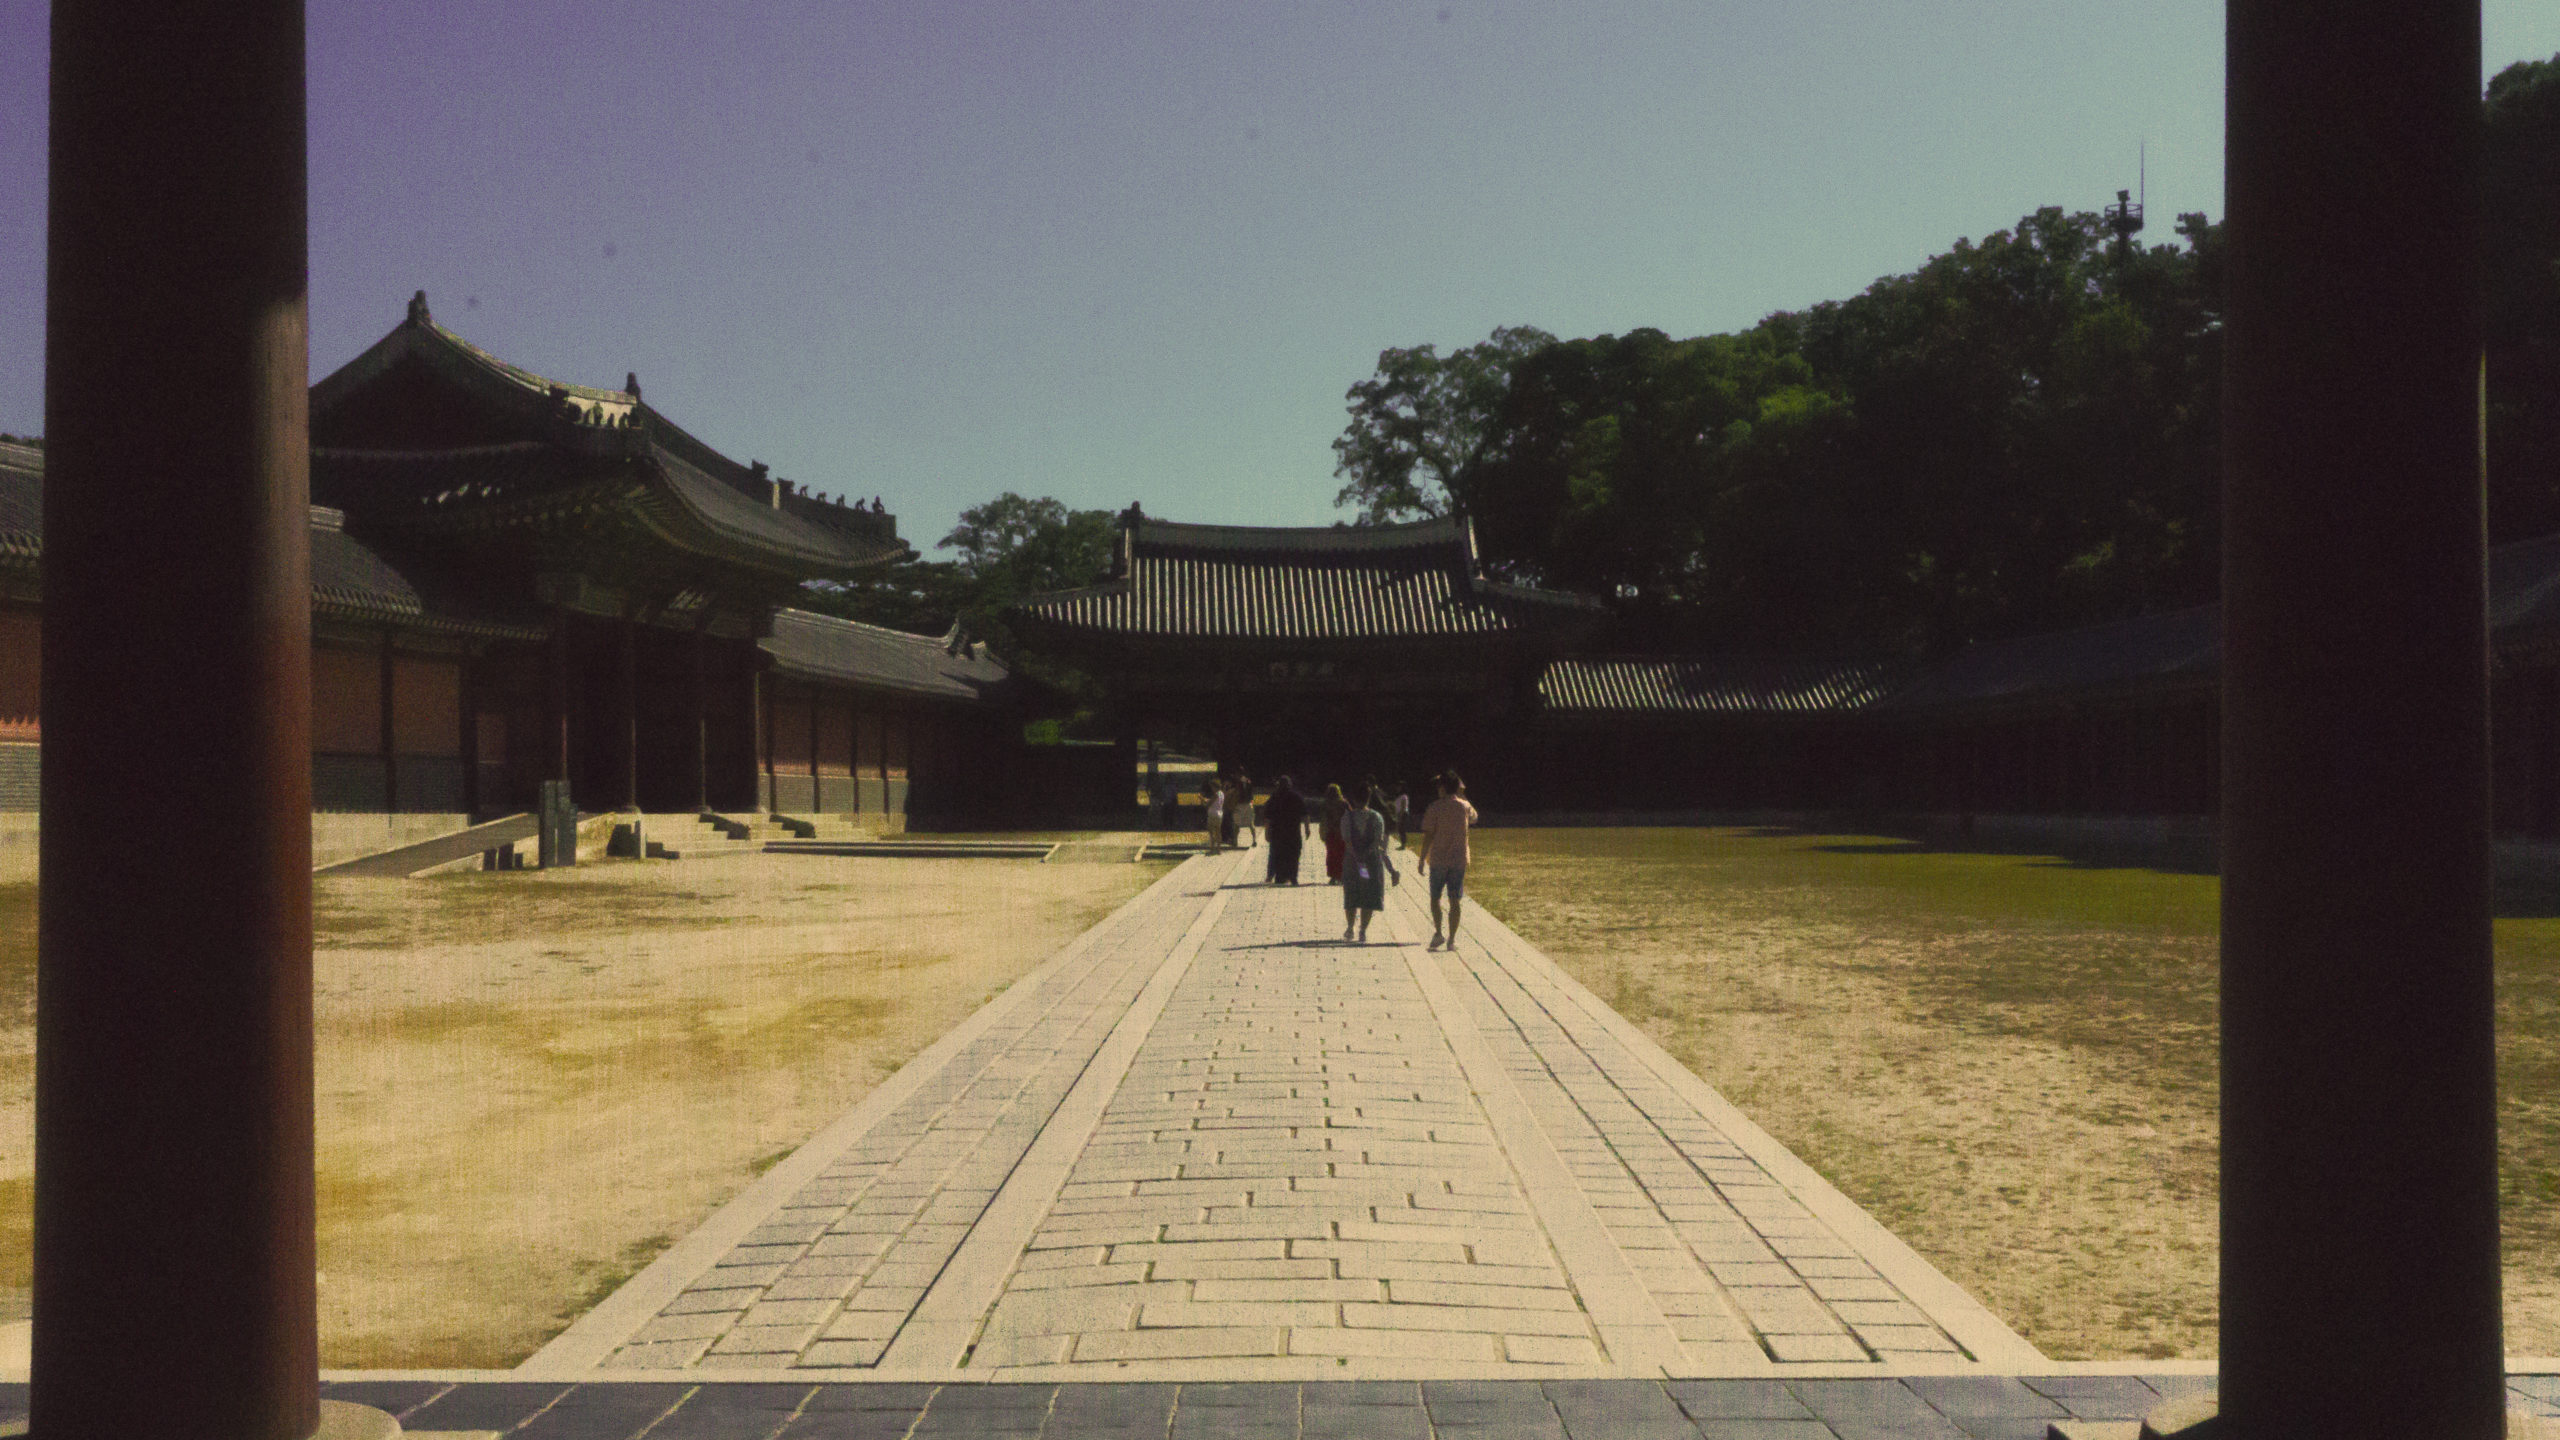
(1116,251)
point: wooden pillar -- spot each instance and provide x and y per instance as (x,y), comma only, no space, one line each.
(174,1290)
(390,686)
(701,726)
(555,695)
(627,700)
(470,737)
(2544,744)
(2360,1261)
(764,729)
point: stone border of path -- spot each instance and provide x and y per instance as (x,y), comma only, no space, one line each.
(578,1350)
(1994,1345)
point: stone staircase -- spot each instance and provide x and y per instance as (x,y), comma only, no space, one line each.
(697,837)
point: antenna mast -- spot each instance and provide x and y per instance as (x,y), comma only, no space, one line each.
(2125,216)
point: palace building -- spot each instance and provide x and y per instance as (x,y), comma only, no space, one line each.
(1302,651)
(517,580)
(1336,652)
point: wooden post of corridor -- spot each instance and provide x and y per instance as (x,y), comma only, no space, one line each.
(173,1192)
(2360,1285)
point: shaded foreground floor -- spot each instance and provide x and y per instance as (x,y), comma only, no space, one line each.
(1212,1142)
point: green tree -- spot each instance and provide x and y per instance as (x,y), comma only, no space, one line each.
(1419,423)
(2520,281)
(918,595)
(2019,434)
(1010,547)
(1027,546)
(2035,426)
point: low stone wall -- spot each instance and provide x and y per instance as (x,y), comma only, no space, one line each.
(17,846)
(342,836)
(334,837)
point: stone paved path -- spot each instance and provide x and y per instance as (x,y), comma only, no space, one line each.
(1211,1141)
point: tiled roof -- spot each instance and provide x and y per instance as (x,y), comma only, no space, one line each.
(809,646)
(348,581)
(2182,650)
(489,485)
(1658,685)
(2179,650)
(21,503)
(1326,583)
(691,494)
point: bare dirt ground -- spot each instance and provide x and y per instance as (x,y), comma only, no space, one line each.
(531,1083)
(2008,1060)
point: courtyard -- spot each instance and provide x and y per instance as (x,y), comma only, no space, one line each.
(532,1084)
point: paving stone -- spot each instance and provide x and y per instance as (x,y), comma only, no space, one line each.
(393,1397)
(1462,1317)
(1450,1252)
(1774,1310)
(1507,1297)
(2097,1397)
(1365,1422)
(656,1354)
(501,1406)
(1188,1343)
(702,1302)
(1736,1400)
(1550,1350)
(787,1312)
(696,1325)
(602,1412)
(1233,1315)
(1261,1269)
(1196,1250)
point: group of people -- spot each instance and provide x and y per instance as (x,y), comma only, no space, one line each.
(1354,828)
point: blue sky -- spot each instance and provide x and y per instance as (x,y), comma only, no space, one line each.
(1117,251)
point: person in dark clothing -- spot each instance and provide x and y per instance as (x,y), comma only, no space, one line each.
(1284,818)
(1365,867)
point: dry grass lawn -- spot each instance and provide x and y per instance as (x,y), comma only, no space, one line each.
(2009,1060)
(531,1083)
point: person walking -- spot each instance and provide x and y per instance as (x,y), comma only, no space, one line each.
(1213,798)
(1444,852)
(1404,813)
(1365,866)
(1246,811)
(1232,793)
(1329,826)
(1284,821)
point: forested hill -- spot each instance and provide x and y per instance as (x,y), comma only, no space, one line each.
(2020,435)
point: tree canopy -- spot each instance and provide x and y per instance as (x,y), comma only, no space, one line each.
(2021,434)
(1420,423)
(1009,547)
(2018,433)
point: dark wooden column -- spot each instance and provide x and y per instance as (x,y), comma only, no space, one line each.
(469,672)
(2360,1285)
(173,1198)
(2544,744)
(555,694)
(627,701)
(763,680)
(701,725)
(390,729)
